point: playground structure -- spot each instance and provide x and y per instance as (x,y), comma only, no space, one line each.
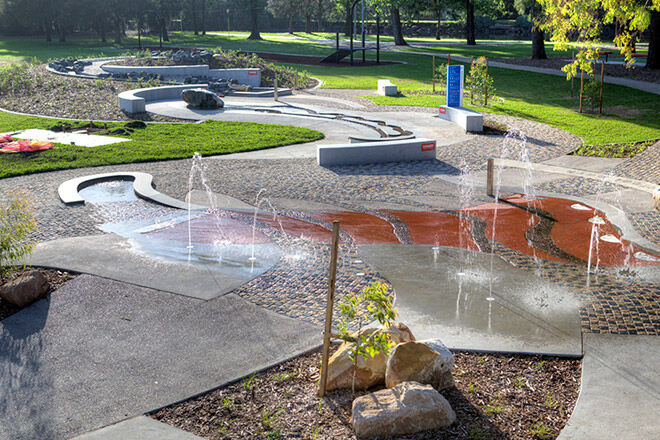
(342,52)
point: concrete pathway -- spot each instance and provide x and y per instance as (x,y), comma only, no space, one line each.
(101,351)
(139,428)
(620,393)
(634,84)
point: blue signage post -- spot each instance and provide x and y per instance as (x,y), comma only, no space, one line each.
(455,85)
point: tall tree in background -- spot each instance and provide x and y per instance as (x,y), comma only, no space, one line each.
(254,20)
(532,8)
(583,20)
(284,9)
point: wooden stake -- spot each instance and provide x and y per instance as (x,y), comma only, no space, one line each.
(275,97)
(433,75)
(471,92)
(581,88)
(572,59)
(485,85)
(489,176)
(327,332)
(448,58)
(602,78)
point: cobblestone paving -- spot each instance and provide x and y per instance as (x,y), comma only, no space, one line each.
(644,166)
(611,302)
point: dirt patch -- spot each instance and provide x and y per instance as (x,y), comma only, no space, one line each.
(623,111)
(496,397)
(56,279)
(638,72)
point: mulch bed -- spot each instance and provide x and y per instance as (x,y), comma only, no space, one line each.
(497,396)
(66,97)
(638,72)
(56,279)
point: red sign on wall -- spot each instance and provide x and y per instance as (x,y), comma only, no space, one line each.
(442,110)
(428,146)
(253,72)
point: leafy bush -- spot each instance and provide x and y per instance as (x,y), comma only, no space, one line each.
(591,93)
(16,223)
(371,304)
(14,77)
(522,22)
(479,83)
(441,76)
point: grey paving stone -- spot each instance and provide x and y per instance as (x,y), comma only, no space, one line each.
(138,428)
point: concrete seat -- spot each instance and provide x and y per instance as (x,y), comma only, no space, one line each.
(468,119)
(405,150)
(134,101)
(386,88)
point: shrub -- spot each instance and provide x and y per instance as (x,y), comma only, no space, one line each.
(478,82)
(356,310)
(591,93)
(441,76)
(16,223)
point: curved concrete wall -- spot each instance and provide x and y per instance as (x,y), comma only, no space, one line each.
(134,101)
(251,77)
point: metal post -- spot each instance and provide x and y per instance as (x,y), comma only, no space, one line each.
(327,332)
(363,48)
(351,46)
(337,41)
(489,177)
(138,29)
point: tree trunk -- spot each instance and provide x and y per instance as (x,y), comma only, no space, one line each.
(308,22)
(47,29)
(102,30)
(194,16)
(62,32)
(348,25)
(538,44)
(437,28)
(203,17)
(469,23)
(397,32)
(254,21)
(653,60)
(291,23)
(163,30)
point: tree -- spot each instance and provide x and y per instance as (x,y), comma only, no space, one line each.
(284,9)
(584,20)
(254,20)
(532,8)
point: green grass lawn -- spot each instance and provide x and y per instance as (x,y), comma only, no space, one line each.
(630,115)
(154,143)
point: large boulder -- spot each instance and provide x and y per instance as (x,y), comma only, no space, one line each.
(25,288)
(405,409)
(428,362)
(200,98)
(370,370)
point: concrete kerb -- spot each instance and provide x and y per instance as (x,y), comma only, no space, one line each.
(135,100)
(142,185)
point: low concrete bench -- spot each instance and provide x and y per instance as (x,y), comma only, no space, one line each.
(251,77)
(406,150)
(134,101)
(359,139)
(468,119)
(386,88)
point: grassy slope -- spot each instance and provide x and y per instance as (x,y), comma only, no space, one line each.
(156,142)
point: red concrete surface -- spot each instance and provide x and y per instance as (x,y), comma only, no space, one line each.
(363,228)
(296,228)
(437,228)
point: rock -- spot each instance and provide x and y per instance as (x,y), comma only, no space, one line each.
(428,362)
(370,370)
(405,409)
(200,98)
(25,288)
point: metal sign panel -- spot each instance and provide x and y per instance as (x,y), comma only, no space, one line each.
(455,86)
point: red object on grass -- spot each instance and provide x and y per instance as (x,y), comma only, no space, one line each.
(27,146)
(5,138)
